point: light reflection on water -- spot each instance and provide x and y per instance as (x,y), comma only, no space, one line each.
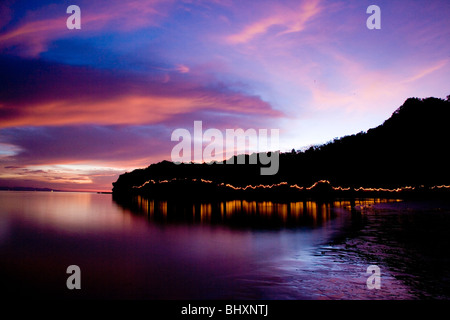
(241,212)
(247,213)
(230,249)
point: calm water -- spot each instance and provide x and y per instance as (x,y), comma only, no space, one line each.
(225,250)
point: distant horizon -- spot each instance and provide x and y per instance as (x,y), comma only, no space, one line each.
(3,188)
(81,105)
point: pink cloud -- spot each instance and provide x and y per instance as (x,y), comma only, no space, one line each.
(182,68)
(34,32)
(57,95)
(132,109)
(291,20)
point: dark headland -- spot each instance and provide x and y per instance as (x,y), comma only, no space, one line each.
(407,155)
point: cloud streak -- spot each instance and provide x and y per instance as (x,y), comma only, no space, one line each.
(290,20)
(35,31)
(59,95)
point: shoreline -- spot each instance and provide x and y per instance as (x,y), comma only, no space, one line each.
(322,190)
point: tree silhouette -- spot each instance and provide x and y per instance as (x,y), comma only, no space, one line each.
(408,149)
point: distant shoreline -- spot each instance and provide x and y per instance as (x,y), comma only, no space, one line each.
(28,189)
(199,189)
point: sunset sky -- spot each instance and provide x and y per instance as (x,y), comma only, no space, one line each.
(80,107)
